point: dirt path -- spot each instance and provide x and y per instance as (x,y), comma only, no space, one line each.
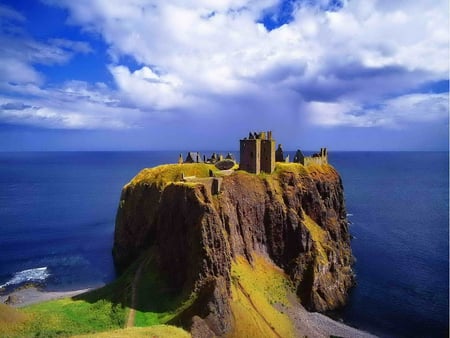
(132,313)
(247,295)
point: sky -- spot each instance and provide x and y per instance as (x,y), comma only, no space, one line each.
(199,74)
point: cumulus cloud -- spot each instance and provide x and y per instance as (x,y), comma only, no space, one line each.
(147,89)
(224,47)
(330,61)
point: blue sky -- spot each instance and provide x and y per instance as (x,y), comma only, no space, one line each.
(156,75)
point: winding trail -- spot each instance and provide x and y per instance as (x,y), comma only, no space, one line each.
(132,313)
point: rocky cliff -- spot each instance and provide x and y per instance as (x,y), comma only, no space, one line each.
(294,218)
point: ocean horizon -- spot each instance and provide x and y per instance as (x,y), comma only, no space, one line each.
(57,212)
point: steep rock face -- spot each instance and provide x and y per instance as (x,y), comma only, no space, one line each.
(296,217)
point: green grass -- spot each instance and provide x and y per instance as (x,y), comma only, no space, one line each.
(100,310)
(66,317)
(140,332)
(157,304)
(167,173)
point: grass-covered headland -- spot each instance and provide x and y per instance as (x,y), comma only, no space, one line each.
(140,303)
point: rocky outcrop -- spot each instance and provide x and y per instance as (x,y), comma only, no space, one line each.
(295,216)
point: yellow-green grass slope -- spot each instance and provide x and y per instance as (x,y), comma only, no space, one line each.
(256,290)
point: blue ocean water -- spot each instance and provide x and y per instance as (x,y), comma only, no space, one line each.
(399,206)
(57,212)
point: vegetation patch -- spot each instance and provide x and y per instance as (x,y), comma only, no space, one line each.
(104,309)
(318,236)
(157,303)
(323,172)
(167,173)
(296,168)
(12,321)
(255,290)
(142,332)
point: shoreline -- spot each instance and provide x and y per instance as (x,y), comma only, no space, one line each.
(33,295)
(313,323)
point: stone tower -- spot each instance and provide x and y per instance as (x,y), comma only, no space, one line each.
(267,153)
(257,153)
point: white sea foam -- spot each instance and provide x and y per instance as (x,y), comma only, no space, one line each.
(349,215)
(29,275)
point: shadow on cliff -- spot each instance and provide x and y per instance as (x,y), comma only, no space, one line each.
(142,288)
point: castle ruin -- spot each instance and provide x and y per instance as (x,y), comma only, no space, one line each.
(257,153)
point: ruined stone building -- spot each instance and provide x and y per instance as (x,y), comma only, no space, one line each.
(193,157)
(318,158)
(299,157)
(279,154)
(257,153)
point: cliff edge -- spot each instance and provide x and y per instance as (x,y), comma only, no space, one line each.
(242,256)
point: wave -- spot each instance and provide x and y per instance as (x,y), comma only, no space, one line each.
(29,275)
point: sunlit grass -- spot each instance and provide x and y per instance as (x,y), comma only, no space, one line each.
(142,332)
(12,321)
(295,168)
(255,290)
(318,236)
(167,173)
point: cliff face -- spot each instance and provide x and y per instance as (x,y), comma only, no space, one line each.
(296,217)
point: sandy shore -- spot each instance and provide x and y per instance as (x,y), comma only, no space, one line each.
(32,295)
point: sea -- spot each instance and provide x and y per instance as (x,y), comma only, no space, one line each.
(57,212)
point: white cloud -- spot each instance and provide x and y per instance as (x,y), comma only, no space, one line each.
(75,105)
(194,57)
(220,45)
(147,89)
(19,52)
(16,71)
(393,113)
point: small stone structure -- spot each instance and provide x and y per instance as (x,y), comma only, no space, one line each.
(299,157)
(193,157)
(279,154)
(257,153)
(196,157)
(212,184)
(318,158)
